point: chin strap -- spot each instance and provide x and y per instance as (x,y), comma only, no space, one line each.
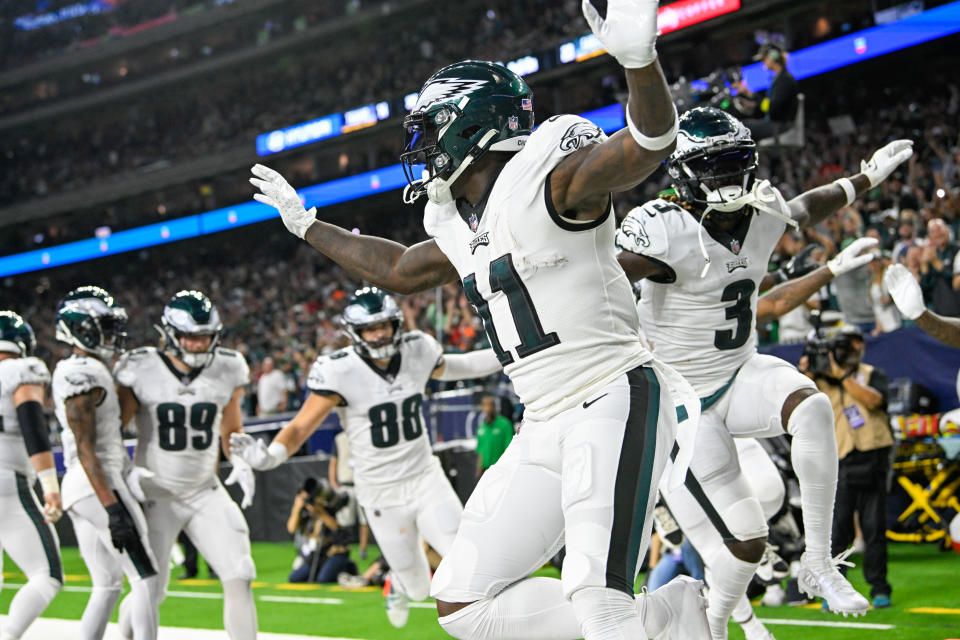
(759,197)
(419,187)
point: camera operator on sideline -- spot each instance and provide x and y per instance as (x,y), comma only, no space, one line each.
(322,546)
(858,394)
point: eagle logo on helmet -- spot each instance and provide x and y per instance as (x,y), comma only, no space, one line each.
(446,90)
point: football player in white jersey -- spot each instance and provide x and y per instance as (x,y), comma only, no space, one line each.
(111,530)
(377,387)
(703,253)
(26,529)
(184,395)
(524,219)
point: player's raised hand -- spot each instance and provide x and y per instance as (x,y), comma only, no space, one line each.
(905,291)
(277,192)
(627,29)
(885,160)
(255,452)
(856,255)
(242,473)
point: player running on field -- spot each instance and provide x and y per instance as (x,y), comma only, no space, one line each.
(111,530)
(524,219)
(377,388)
(26,530)
(186,397)
(703,253)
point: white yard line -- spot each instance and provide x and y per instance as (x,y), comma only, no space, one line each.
(57,629)
(824,623)
(300,599)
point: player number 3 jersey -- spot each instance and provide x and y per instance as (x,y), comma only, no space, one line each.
(178,422)
(702,326)
(381,410)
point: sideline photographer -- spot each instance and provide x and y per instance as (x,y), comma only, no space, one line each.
(322,543)
(858,393)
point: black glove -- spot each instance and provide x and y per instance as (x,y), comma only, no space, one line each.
(797,266)
(123,532)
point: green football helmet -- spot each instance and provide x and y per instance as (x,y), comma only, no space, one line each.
(190,313)
(89,319)
(370,306)
(16,335)
(463,111)
(715,161)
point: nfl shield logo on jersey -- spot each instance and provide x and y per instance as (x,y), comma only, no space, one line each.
(735,245)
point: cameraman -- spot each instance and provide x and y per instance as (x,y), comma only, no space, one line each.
(322,549)
(858,393)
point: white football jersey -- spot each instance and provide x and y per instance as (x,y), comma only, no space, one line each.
(78,375)
(178,422)
(556,305)
(382,410)
(704,327)
(15,372)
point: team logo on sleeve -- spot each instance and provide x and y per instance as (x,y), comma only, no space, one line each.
(79,378)
(634,233)
(580,135)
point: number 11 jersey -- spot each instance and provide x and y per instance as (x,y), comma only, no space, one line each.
(704,327)
(381,409)
(178,422)
(556,305)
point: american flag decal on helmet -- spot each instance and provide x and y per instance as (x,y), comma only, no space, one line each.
(526,104)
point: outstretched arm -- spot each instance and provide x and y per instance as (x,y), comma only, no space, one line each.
(385,263)
(906,294)
(946,330)
(816,205)
(791,294)
(583,181)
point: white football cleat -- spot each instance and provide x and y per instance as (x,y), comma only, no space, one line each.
(824,580)
(772,567)
(683,598)
(398,608)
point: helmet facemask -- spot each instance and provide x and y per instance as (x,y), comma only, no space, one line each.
(371,307)
(91,326)
(721,179)
(179,321)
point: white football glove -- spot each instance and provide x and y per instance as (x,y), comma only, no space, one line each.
(628,32)
(851,257)
(278,193)
(242,473)
(905,291)
(134,478)
(885,160)
(256,453)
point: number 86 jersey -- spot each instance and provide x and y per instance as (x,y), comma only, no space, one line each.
(178,421)
(704,327)
(381,409)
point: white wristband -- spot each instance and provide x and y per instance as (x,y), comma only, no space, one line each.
(278,454)
(848,188)
(48,480)
(659,142)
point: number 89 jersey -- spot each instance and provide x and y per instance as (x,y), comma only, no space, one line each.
(381,410)
(703,327)
(178,422)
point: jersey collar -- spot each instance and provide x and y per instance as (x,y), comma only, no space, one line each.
(390,373)
(183,377)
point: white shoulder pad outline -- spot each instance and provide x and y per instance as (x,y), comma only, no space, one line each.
(324,375)
(236,364)
(77,376)
(32,370)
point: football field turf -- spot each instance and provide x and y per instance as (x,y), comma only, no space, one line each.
(926,599)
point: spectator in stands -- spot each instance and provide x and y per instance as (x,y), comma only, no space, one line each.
(853,296)
(940,270)
(340,472)
(493,435)
(781,96)
(858,394)
(272,389)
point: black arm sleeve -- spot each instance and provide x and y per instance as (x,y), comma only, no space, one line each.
(33,426)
